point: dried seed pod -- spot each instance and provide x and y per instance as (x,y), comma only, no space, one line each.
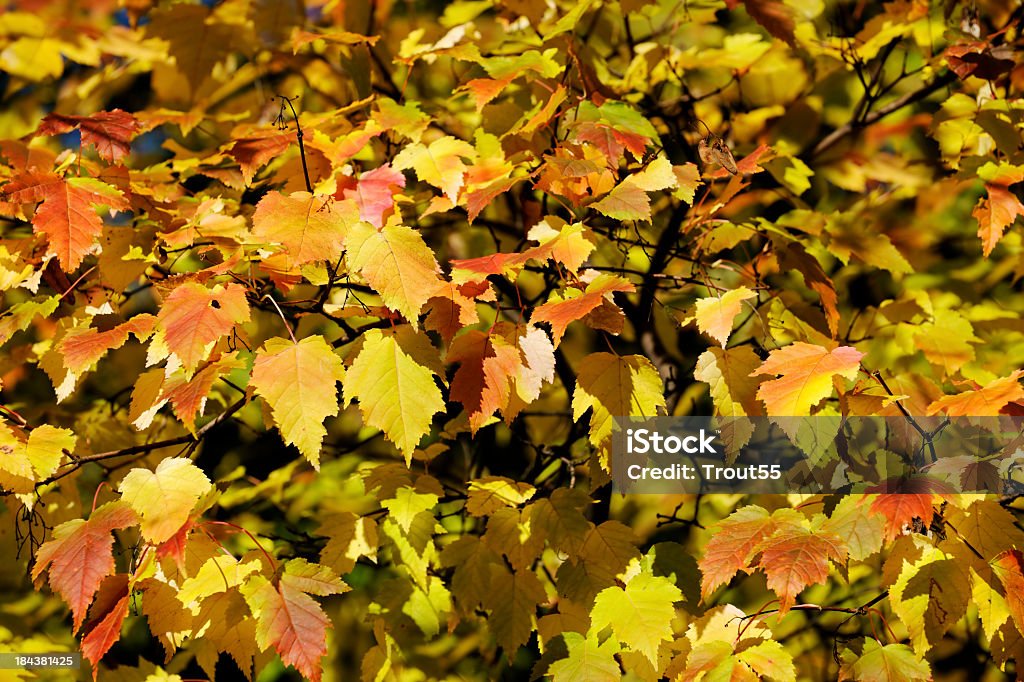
(717,152)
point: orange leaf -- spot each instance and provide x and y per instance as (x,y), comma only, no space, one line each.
(67,215)
(193,318)
(99,640)
(559,313)
(995,214)
(805,376)
(82,348)
(900,509)
(252,153)
(310,228)
(80,555)
(795,557)
(1010,569)
(731,545)
(292,622)
(488,364)
(111,132)
(987,401)
(188,397)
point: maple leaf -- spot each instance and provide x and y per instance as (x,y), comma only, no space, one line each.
(538,364)
(1009,567)
(103,635)
(560,517)
(729,374)
(227,626)
(439,164)
(393,379)
(491,493)
(560,312)
(193,318)
(488,364)
(397,263)
(732,545)
(512,599)
(794,557)
(900,509)
(188,397)
(299,382)
(34,458)
(82,348)
(931,595)
(374,193)
(793,255)
(310,228)
(805,376)
(640,614)
(111,132)
(67,215)
(452,309)
(348,537)
(615,386)
(291,621)
(715,314)
(587,659)
(995,214)
(80,555)
(217,574)
(164,498)
(854,521)
(625,202)
(988,527)
(889,663)
(989,400)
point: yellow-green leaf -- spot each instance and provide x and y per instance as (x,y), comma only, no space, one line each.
(298,381)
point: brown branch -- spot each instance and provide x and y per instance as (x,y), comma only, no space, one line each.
(853,126)
(142,448)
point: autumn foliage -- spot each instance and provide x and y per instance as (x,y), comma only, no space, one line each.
(316,318)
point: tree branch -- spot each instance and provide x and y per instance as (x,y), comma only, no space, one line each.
(854,126)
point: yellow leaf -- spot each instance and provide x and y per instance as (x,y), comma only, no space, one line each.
(440,164)
(396,394)
(615,386)
(298,381)
(805,376)
(397,264)
(164,498)
(309,228)
(715,314)
(218,574)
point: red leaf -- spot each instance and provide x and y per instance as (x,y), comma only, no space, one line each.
(979,60)
(79,556)
(775,16)
(111,132)
(107,631)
